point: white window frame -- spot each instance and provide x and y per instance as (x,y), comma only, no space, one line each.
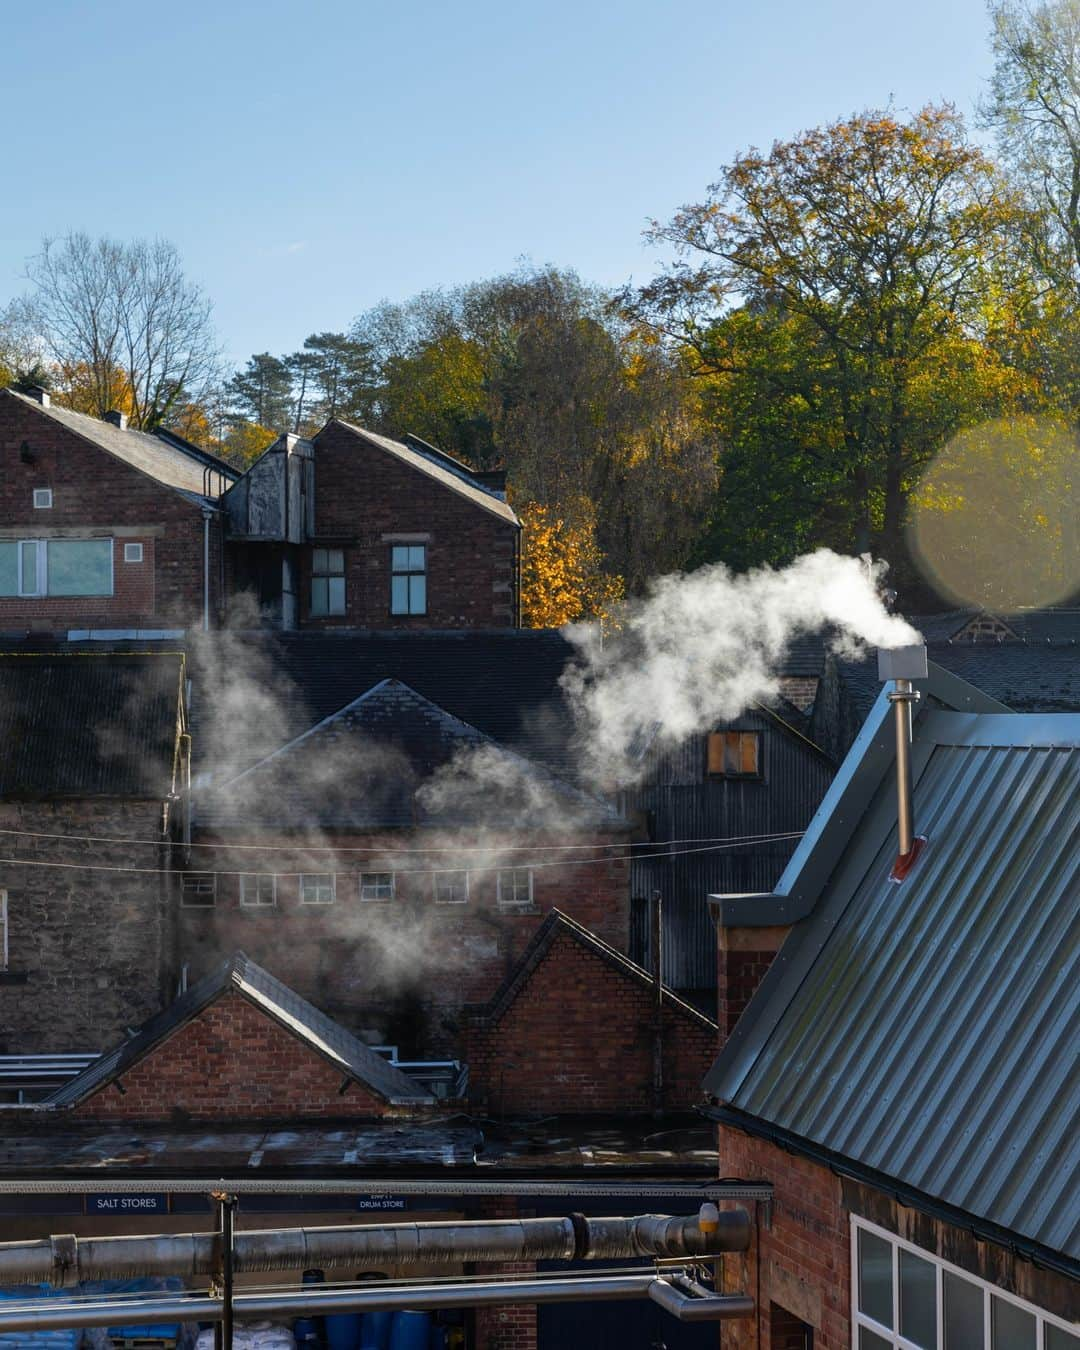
(377,899)
(202,877)
(408,573)
(41,561)
(43,499)
(513,902)
(41,555)
(449,872)
(133,553)
(3,930)
(893,1338)
(320,879)
(258,902)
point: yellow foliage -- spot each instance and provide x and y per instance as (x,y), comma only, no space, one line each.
(562,576)
(245,443)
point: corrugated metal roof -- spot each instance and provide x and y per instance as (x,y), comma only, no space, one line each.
(164,460)
(325,1036)
(91,725)
(930,1031)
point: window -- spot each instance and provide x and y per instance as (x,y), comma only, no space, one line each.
(376,885)
(42,499)
(258,889)
(133,552)
(408,579)
(734,754)
(908,1299)
(3,931)
(317,888)
(198,890)
(515,888)
(451,888)
(34,567)
(327,581)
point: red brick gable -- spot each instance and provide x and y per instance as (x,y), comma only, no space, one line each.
(576,1034)
(231,1062)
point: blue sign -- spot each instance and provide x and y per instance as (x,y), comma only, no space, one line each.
(382,1202)
(121,1203)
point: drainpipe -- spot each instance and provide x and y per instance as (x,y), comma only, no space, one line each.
(206,569)
(657,944)
(902,665)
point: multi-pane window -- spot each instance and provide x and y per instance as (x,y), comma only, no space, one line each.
(317,888)
(906,1299)
(515,888)
(376,885)
(198,890)
(3,930)
(258,889)
(35,567)
(327,581)
(408,579)
(734,754)
(451,888)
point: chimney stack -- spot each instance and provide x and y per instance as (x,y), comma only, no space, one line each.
(37,392)
(118,419)
(902,665)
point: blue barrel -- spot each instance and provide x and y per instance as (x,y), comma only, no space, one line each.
(375,1330)
(343,1331)
(410,1331)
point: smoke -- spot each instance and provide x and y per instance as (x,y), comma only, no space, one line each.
(700,648)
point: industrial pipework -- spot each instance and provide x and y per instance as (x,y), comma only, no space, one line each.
(902,665)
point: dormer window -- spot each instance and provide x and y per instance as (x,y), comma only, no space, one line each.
(734,754)
(408,579)
(42,499)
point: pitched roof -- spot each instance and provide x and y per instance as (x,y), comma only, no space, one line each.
(169,459)
(372,763)
(450,473)
(90,724)
(319,1032)
(1057,626)
(928,1031)
(556,925)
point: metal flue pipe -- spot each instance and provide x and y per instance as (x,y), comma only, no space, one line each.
(64,1260)
(902,665)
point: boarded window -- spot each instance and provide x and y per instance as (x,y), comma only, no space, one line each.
(198,890)
(734,754)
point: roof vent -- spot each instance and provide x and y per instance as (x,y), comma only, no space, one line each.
(118,419)
(902,665)
(37,392)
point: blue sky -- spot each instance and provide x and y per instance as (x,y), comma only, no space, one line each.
(310,159)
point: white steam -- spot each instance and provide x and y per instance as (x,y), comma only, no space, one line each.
(700,648)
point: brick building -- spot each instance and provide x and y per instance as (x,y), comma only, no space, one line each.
(905,1073)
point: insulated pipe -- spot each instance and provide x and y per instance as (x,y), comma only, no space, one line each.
(65,1260)
(901,699)
(49,1315)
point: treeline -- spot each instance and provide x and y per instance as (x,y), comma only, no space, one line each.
(868,340)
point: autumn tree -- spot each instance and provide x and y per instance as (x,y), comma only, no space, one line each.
(562,569)
(125,317)
(876,246)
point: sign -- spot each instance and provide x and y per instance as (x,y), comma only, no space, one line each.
(382,1202)
(121,1203)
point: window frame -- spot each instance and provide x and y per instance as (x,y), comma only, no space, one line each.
(306,876)
(408,572)
(185,903)
(514,904)
(449,872)
(258,903)
(41,568)
(757,775)
(377,899)
(45,505)
(324,574)
(892,1336)
(133,553)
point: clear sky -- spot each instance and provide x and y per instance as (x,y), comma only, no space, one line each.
(309,159)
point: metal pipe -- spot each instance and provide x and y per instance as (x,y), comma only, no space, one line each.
(65,1260)
(901,699)
(51,1314)
(206,571)
(700,1307)
(657,916)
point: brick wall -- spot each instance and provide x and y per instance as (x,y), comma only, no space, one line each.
(744,955)
(579,1038)
(231,1062)
(89,953)
(363,497)
(399,970)
(97,495)
(512,1326)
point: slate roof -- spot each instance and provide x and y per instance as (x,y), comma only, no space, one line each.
(556,925)
(928,1032)
(450,473)
(89,724)
(1058,626)
(170,460)
(319,1032)
(371,765)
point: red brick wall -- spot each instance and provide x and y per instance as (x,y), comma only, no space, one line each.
(362,494)
(579,1037)
(231,1062)
(364,962)
(513,1325)
(745,954)
(96,494)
